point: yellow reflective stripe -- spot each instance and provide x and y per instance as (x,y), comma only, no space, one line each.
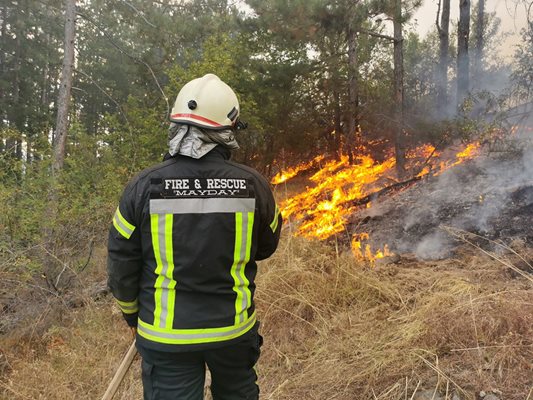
(119,229)
(171,292)
(248,245)
(241,255)
(154,224)
(121,225)
(236,260)
(275,221)
(165,294)
(123,220)
(193,336)
(128,307)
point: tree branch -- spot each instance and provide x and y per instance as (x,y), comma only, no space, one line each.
(106,94)
(91,247)
(378,35)
(373,196)
(439,29)
(138,12)
(134,58)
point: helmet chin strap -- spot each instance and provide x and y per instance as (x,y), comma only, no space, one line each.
(240,125)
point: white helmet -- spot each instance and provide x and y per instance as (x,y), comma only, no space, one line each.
(206,102)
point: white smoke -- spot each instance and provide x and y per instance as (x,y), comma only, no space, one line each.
(434,246)
(475,196)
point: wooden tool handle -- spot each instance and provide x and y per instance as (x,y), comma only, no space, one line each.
(121,372)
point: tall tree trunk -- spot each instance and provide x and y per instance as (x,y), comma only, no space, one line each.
(15,114)
(29,150)
(444,45)
(14,111)
(3,63)
(480,29)
(463,33)
(46,76)
(270,155)
(337,116)
(21,112)
(63,102)
(46,69)
(3,70)
(399,145)
(353,92)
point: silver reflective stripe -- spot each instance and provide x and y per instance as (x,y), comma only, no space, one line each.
(124,230)
(183,335)
(239,270)
(128,307)
(131,309)
(201,206)
(164,272)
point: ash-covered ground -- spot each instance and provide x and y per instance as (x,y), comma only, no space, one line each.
(491,195)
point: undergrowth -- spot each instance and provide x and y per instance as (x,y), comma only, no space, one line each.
(334,329)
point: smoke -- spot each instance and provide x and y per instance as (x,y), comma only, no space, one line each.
(473,197)
(434,246)
(478,196)
(491,195)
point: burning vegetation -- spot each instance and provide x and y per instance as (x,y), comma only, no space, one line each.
(341,189)
(289,173)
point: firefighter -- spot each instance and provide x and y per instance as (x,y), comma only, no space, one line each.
(182,253)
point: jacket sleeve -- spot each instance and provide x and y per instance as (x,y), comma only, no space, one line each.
(124,259)
(270,224)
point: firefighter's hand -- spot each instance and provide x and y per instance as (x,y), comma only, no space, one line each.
(133,331)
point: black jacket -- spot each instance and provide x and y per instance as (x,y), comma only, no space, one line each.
(182,250)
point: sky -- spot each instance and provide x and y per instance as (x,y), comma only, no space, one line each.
(512,13)
(513,19)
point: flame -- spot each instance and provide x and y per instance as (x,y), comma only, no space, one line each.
(324,208)
(424,151)
(339,189)
(469,152)
(284,176)
(365,252)
(425,171)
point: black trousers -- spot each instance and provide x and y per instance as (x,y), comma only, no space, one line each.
(181,376)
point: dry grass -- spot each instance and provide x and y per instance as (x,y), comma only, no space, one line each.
(76,361)
(333,328)
(338,330)
(67,353)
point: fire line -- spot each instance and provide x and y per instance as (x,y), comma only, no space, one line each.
(324,209)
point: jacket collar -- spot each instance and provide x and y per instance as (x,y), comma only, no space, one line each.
(219,152)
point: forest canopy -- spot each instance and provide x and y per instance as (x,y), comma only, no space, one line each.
(313,77)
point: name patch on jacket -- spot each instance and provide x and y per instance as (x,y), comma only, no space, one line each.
(203,187)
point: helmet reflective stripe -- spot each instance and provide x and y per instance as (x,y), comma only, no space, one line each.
(206,102)
(194,118)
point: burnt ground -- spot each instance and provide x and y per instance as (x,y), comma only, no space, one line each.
(491,196)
